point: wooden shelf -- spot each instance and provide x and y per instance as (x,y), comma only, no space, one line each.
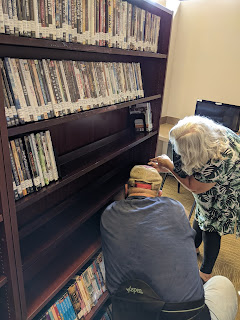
(57,274)
(60,45)
(43,241)
(45,124)
(3,280)
(93,163)
(97,308)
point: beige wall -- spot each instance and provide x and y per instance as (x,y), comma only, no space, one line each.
(204,57)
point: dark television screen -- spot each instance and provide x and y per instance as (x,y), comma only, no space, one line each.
(226,114)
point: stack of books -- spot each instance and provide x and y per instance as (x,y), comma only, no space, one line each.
(41,89)
(112,23)
(33,163)
(82,295)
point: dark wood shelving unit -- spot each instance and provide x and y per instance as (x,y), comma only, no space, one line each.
(23,42)
(43,241)
(67,266)
(49,236)
(98,161)
(45,124)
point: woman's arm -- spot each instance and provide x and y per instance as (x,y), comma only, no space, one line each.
(164,164)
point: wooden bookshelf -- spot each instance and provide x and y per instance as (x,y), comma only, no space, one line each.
(97,161)
(45,124)
(50,235)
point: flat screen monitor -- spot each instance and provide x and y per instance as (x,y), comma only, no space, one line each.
(226,114)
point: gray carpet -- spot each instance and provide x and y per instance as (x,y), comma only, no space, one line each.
(228,262)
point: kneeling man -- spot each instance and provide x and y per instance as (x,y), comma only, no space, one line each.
(149,237)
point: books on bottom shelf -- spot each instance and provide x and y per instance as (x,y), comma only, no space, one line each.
(35,90)
(33,163)
(81,294)
(145,109)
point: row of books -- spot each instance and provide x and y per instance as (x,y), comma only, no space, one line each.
(82,295)
(112,23)
(41,89)
(145,110)
(33,163)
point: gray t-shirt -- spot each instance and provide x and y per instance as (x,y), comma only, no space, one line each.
(151,239)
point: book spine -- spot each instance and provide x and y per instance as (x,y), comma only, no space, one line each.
(73,294)
(33,144)
(70,307)
(44,100)
(59,88)
(38,90)
(32,20)
(83,293)
(67,315)
(50,88)
(68,97)
(25,93)
(10,17)
(83,306)
(13,118)
(25,162)
(19,89)
(55,86)
(15,174)
(33,165)
(91,85)
(16,195)
(29,88)
(15,18)
(51,153)
(42,158)
(49,105)
(33,86)
(87,20)
(79,85)
(22,165)
(74,82)
(69,84)
(82,88)
(14,91)
(2,25)
(7,108)
(99,98)
(78,14)
(18,167)
(47,156)
(29,31)
(62,87)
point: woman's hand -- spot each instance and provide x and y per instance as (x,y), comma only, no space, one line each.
(162,163)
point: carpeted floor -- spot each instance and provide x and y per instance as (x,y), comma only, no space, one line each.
(228,262)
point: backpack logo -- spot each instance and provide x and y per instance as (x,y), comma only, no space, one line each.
(134,290)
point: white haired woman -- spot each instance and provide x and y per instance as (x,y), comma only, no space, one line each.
(207,164)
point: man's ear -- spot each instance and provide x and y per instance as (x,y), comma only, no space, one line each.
(126,189)
(159,193)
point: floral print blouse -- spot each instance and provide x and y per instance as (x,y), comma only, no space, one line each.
(218,209)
